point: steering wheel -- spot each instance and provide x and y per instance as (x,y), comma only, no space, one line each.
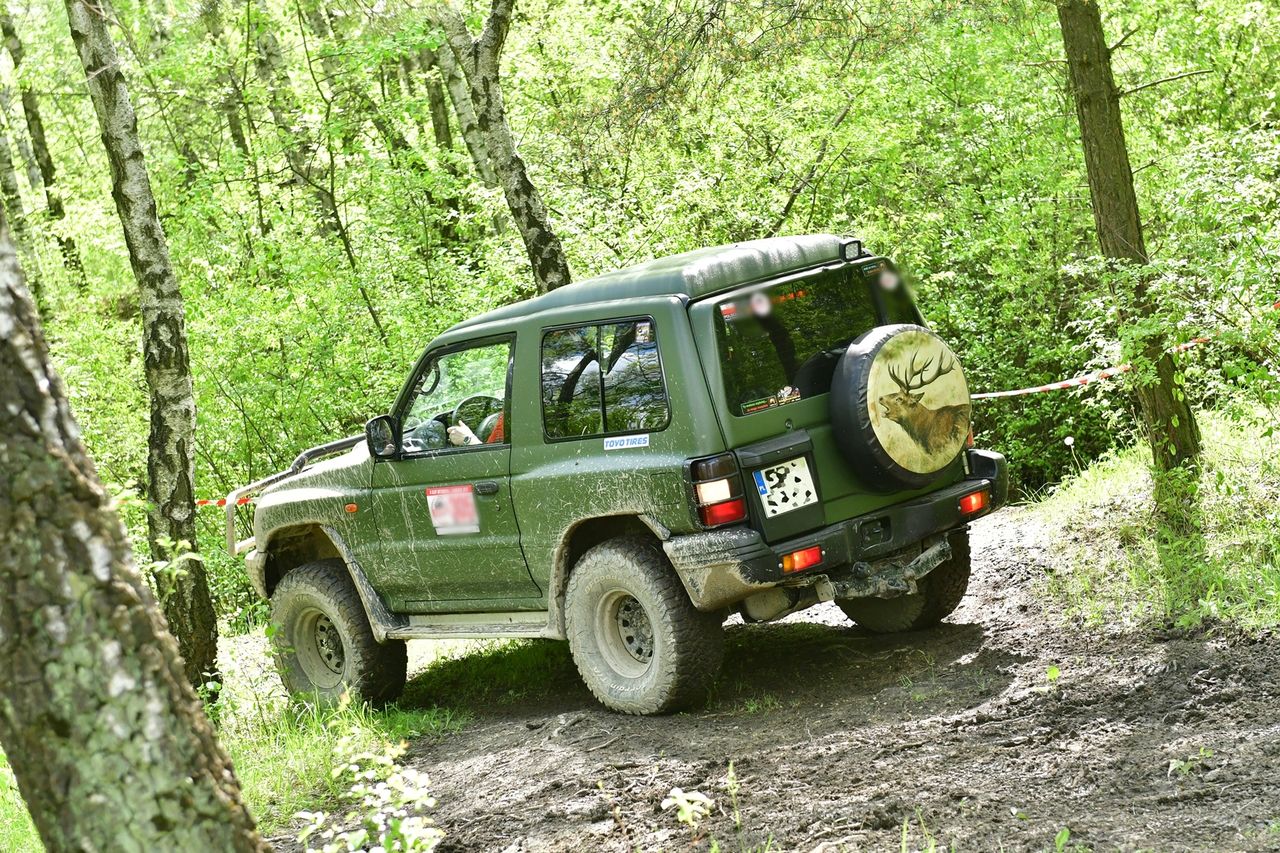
(491,404)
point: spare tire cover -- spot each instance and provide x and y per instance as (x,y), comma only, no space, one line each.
(899,406)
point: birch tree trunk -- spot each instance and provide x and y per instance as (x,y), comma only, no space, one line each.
(104,733)
(210,13)
(40,148)
(1169,422)
(24,149)
(171,446)
(479,59)
(16,215)
(468,124)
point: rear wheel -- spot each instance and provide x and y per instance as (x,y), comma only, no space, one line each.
(638,642)
(939,595)
(323,643)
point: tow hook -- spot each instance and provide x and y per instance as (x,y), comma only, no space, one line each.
(892,579)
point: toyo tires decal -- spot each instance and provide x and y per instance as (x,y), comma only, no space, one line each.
(918,401)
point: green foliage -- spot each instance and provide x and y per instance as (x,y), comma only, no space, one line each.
(1123,564)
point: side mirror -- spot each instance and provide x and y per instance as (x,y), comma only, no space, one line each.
(382,434)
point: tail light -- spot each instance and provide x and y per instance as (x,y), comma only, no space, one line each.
(974,502)
(805,558)
(717,488)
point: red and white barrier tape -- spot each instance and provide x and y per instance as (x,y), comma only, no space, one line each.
(222,502)
(1087,378)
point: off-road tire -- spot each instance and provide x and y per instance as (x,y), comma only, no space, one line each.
(885,615)
(687,645)
(319,600)
(940,593)
(945,586)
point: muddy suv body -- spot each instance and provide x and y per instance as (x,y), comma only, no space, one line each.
(623,463)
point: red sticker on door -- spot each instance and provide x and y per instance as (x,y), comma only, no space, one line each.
(453,509)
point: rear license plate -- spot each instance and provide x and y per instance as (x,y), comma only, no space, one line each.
(785,486)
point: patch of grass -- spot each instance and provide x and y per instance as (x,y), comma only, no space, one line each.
(17,833)
(284,753)
(1118,561)
(285,759)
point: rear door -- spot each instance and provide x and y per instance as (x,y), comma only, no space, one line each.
(448,537)
(769,352)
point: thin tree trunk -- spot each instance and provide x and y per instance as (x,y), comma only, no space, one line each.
(228,103)
(24,148)
(1169,422)
(479,60)
(40,148)
(105,736)
(16,215)
(468,124)
(440,128)
(170,467)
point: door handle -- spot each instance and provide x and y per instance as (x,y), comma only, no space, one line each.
(486,487)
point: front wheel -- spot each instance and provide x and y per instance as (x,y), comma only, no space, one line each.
(323,644)
(939,593)
(636,638)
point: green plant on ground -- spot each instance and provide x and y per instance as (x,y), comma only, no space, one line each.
(385,806)
(1120,561)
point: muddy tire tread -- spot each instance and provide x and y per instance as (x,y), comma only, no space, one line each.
(945,586)
(373,672)
(697,638)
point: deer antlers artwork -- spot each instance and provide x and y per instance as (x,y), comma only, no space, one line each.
(932,429)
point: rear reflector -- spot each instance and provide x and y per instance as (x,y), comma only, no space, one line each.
(798,561)
(725,512)
(973,502)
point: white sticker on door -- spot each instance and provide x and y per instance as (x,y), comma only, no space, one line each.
(453,509)
(622,442)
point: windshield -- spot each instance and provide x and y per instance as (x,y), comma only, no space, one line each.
(781,344)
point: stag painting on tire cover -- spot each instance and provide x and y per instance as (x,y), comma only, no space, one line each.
(918,401)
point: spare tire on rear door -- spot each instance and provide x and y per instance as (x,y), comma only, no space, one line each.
(899,406)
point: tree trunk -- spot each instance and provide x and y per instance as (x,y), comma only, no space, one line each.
(16,215)
(468,124)
(439,113)
(1169,422)
(40,148)
(229,103)
(24,149)
(479,61)
(170,467)
(105,736)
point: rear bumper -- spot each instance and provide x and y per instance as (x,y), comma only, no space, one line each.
(722,567)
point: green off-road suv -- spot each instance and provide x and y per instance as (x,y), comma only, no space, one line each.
(624,462)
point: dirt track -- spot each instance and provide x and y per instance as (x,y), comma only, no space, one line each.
(838,738)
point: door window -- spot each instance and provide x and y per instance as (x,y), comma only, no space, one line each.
(460,399)
(602,380)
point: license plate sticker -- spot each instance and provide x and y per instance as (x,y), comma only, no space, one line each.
(785,487)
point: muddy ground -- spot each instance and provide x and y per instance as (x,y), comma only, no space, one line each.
(839,739)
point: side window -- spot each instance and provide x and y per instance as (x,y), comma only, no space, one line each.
(600,380)
(571,397)
(460,399)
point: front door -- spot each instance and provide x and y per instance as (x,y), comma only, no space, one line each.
(447,527)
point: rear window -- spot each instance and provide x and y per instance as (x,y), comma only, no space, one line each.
(781,344)
(602,380)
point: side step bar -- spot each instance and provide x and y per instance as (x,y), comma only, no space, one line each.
(473,626)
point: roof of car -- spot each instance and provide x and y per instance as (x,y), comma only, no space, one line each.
(691,274)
